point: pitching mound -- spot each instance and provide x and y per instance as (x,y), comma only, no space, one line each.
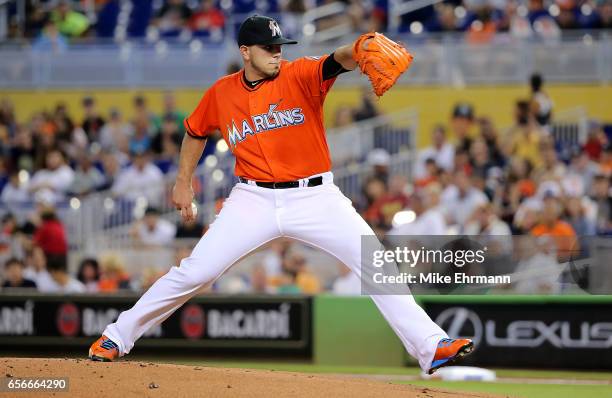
(128,379)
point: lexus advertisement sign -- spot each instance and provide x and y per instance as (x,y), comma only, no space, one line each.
(551,335)
(218,324)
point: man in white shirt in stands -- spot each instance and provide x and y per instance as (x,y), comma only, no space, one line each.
(153,230)
(56,178)
(460,199)
(441,151)
(141,179)
(64,282)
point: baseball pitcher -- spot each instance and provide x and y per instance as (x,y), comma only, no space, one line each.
(271,116)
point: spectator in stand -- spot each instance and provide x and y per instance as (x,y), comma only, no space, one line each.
(13,275)
(483,28)
(87,178)
(596,142)
(43,138)
(166,143)
(489,134)
(89,274)
(275,255)
(484,221)
(22,151)
(69,22)
(432,174)
(14,193)
(462,161)
(525,136)
(141,179)
(480,161)
(605,163)
(172,18)
(579,176)
(373,189)
(429,217)
(36,270)
(9,237)
(384,208)
(144,116)
(259,281)
(602,196)
(110,163)
(55,179)
(170,110)
(540,103)
(72,141)
(492,231)
(379,159)
(208,20)
(576,215)
(536,254)
(441,151)
(462,121)
(113,276)
(140,141)
(64,282)
(92,122)
(115,135)
(50,39)
(347,283)
(306,281)
(461,199)
(550,168)
(50,235)
(153,230)
(551,224)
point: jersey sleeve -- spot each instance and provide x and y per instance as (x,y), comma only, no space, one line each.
(309,72)
(205,118)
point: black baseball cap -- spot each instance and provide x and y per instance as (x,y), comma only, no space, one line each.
(259,29)
(464,110)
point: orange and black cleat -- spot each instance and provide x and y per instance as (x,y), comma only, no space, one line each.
(450,351)
(104,350)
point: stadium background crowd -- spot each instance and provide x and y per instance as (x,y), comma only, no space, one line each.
(53,24)
(475,178)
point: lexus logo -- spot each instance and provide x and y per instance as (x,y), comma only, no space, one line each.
(459,322)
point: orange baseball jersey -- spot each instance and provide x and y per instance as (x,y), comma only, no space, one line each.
(274,129)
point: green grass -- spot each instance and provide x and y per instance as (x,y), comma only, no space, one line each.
(522,390)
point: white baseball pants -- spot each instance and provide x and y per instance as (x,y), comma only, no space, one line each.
(319,216)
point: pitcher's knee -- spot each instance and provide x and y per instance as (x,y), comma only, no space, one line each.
(195,272)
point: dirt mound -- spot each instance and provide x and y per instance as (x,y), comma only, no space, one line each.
(128,379)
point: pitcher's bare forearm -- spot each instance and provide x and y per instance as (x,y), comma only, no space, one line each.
(344,56)
(191,151)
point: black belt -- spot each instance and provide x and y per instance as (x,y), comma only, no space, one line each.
(312,182)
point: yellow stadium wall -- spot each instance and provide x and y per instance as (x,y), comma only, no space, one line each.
(433,103)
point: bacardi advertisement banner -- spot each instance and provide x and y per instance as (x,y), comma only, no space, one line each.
(221,324)
(525,333)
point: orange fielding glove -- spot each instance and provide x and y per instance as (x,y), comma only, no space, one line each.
(381,59)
